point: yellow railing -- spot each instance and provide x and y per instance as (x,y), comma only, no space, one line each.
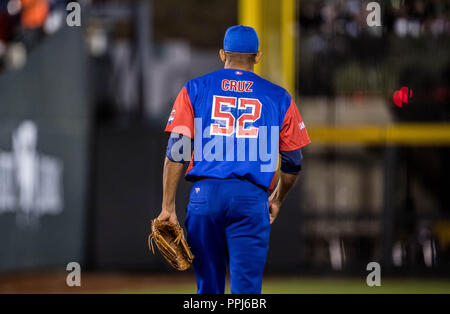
(276,38)
(250,14)
(409,134)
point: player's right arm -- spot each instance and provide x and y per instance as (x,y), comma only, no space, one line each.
(285,184)
(293,137)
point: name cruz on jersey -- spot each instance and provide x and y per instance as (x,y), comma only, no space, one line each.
(239,123)
(237,86)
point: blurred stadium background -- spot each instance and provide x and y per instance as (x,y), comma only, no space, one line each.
(82,112)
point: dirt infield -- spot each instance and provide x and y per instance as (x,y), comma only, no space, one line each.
(55,282)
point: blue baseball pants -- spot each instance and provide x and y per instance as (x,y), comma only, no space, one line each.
(228,224)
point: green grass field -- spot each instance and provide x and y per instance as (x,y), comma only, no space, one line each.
(325,286)
(55,282)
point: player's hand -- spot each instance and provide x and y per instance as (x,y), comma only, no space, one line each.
(168,215)
(274,209)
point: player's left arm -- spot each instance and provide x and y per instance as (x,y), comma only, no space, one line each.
(293,137)
(181,129)
(173,168)
(171,177)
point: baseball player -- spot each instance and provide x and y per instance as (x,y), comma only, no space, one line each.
(232,125)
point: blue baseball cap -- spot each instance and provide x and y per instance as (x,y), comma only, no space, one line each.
(241,38)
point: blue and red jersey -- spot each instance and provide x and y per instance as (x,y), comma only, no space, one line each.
(238,122)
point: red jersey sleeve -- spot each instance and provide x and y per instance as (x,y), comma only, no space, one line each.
(293,133)
(181,118)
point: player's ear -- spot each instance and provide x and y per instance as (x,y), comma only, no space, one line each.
(222,55)
(258,57)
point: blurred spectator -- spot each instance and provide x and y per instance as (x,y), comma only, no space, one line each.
(403,18)
(7,22)
(23,23)
(34,13)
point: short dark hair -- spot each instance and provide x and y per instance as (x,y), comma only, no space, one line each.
(240,57)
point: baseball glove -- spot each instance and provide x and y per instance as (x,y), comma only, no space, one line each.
(170,241)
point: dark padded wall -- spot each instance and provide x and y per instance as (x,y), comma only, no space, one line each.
(128,194)
(50,93)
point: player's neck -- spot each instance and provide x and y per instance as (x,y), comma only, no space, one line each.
(249,68)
